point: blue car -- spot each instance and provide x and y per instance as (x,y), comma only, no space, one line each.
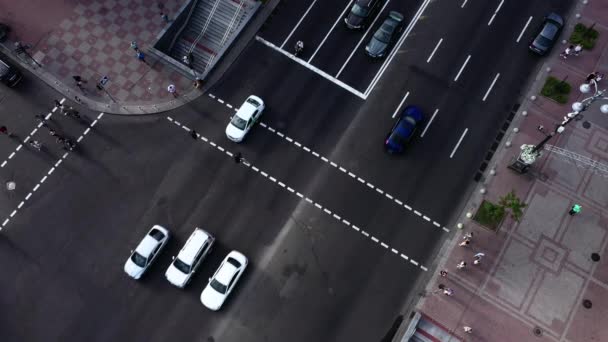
(403,130)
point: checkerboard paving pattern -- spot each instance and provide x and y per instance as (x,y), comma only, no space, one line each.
(95,41)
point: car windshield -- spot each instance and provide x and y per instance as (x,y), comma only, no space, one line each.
(157,234)
(182,266)
(384,33)
(238,122)
(234,262)
(253,102)
(217,286)
(360,11)
(138,259)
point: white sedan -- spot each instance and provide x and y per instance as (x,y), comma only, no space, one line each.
(224,280)
(249,113)
(147,250)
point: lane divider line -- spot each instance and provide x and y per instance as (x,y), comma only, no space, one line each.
(337,217)
(336,165)
(44,178)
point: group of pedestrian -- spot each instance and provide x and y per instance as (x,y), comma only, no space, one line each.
(65,142)
(594,76)
(572,50)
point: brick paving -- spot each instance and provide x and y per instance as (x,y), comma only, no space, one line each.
(536,273)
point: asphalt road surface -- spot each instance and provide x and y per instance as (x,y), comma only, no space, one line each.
(337,232)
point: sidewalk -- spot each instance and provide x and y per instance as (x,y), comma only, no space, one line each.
(92,39)
(536,273)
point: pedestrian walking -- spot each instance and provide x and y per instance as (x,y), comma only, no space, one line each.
(194,135)
(477,258)
(36,144)
(468,236)
(59,105)
(172,90)
(461,265)
(68,145)
(567,52)
(52,132)
(465,242)
(134,46)
(141,57)
(577,49)
(41,118)
(467,329)
(448,291)
(238,157)
(165,17)
(443,273)
(575,209)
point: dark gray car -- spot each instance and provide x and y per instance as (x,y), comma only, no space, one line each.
(361,12)
(385,36)
(547,35)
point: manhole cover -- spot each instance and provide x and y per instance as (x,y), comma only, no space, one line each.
(595,257)
(587,304)
(586,124)
(538,332)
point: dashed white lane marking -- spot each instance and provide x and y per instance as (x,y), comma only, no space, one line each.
(429,123)
(29,136)
(315,204)
(523,29)
(495,12)
(332,163)
(428,60)
(466,61)
(42,180)
(464,3)
(490,88)
(400,104)
(458,143)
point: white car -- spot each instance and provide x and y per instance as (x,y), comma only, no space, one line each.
(224,280)
(189,257)
(245,118)
(147,250)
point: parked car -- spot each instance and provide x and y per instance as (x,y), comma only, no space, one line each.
(224,280)
(404,129)
(9,74)
(241,123)
(362,12)
(385,36)
(147,250)
(547,34)
(189,258)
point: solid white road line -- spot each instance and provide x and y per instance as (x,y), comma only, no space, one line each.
(330,30)
(396,47)
(434,50)
(400,104)
(462,68)
(429,123)
(524,29)
(459,141)
(495,12)
(298,24)
(362,38)
(313,69)
(464,3)
(491,86)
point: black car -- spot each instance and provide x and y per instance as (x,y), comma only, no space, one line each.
(361,12)
(386,34)
(547,35)
(9,75)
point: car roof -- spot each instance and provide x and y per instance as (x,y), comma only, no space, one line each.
(226,272)
(405,127)
(192,246)
(247,109)
(146,245)
(396,16)
(364,2)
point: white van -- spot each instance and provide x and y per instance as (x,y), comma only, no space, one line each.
(189,258)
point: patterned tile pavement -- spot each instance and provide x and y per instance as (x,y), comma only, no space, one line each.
(92,40)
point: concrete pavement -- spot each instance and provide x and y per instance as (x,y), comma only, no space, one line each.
(538,273)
